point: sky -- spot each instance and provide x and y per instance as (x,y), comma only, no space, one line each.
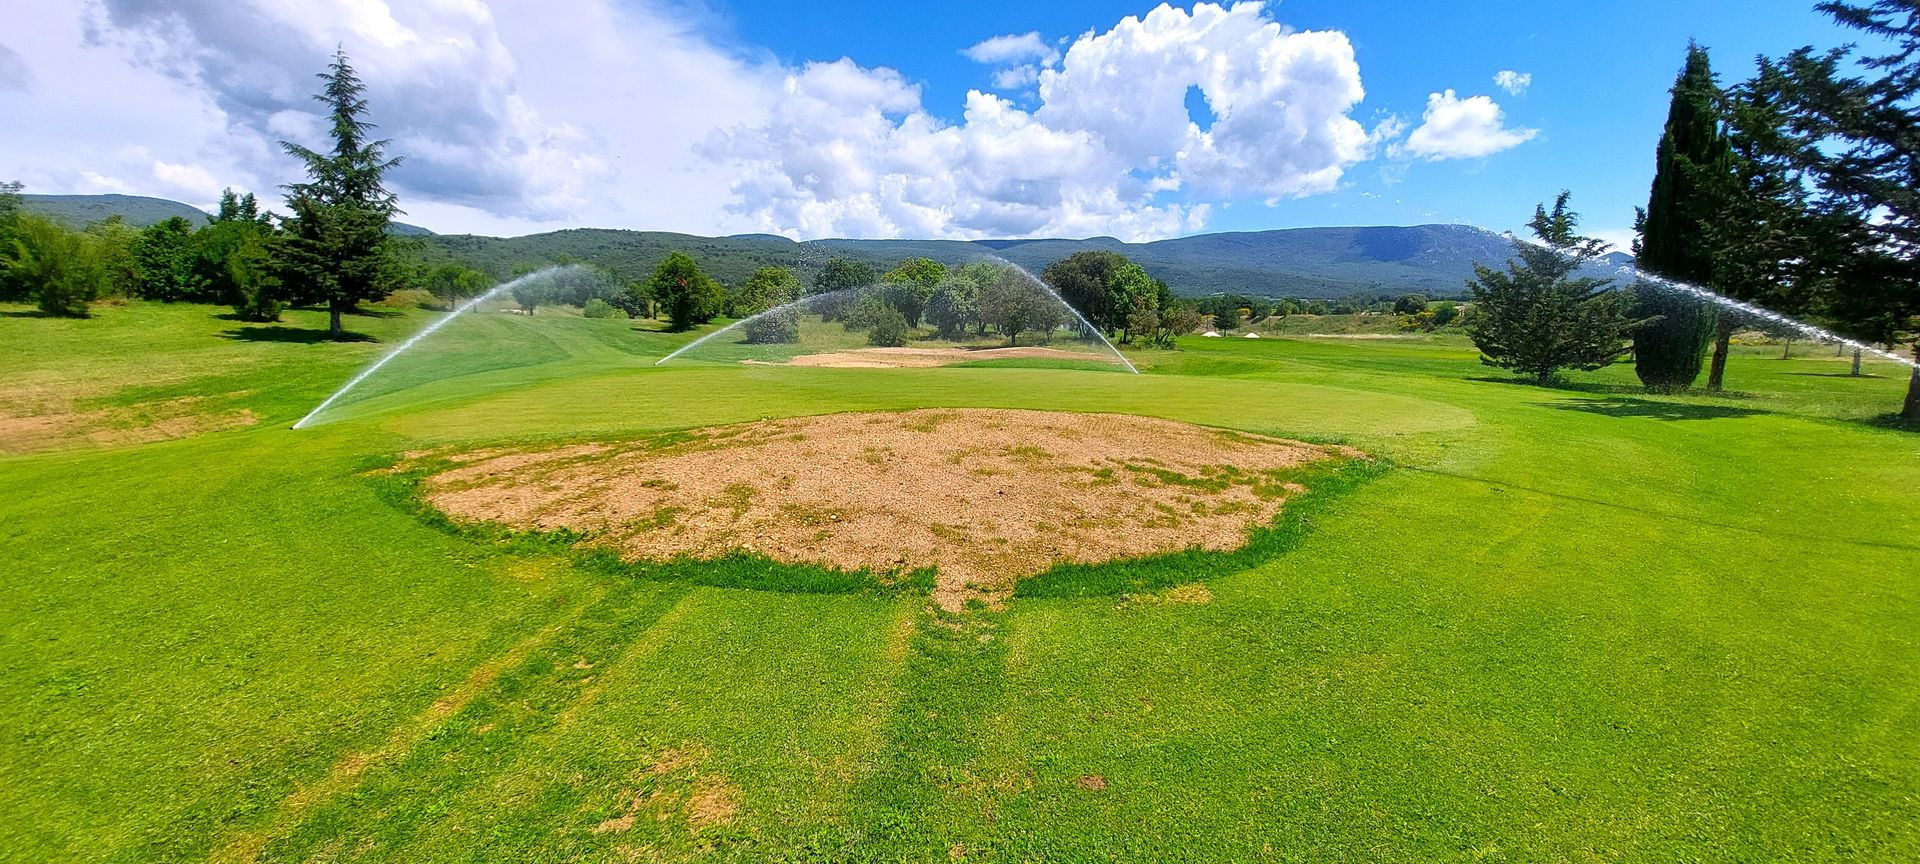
(971,120)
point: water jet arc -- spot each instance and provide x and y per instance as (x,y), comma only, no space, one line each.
(415,339)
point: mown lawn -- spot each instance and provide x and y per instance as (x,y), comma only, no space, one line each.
(1565,624)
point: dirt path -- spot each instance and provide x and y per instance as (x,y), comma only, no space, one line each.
(985,496)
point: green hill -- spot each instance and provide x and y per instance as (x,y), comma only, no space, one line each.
(79,211)
(1308,262)
(1295,262)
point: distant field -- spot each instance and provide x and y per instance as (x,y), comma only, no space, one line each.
(1561,624)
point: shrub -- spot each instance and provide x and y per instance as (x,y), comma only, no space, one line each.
(256,291)
(774,327)
(60,269)
(598,308)
(889,328)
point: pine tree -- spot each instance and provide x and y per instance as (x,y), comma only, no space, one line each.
(1856,136)
(1539,317)
(1691,178)
(336,250)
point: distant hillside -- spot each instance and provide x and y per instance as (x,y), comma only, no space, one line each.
(1292,262)
(79,211)
(1306,262)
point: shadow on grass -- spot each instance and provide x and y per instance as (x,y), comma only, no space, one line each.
(1894,422)
(1834,375)
(1652,409)
(24,313)
(295,335)
(1568,386)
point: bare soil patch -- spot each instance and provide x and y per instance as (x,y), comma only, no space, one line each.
(921,358)
(984,496)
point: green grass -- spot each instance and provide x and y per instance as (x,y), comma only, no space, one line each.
(1568,624)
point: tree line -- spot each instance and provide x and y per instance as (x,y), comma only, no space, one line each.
(1797,190)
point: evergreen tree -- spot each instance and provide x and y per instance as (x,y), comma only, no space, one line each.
(11,205)
(1690,182)
(336,250)
(164,257)
(1539,317)
(1855,136)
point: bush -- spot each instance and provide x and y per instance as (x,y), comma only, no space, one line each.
(889,328)
(60,269)
(256,291)
(598,308)
(409,298)
(774,327)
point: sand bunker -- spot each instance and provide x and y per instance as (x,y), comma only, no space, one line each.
(984,496)
(920,358)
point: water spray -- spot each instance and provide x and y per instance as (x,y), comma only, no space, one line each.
(1087,327)
(400,349)
(1632,273)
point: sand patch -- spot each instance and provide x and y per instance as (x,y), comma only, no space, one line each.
(984,496)
(921,358)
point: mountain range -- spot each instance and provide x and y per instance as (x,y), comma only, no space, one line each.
(1295,262)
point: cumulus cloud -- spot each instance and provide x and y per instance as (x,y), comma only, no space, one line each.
(1456,128)
(507,117)
(1013,48)
(1111,138)
(1515,83)
(512,119)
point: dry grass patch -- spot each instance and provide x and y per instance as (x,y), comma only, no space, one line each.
(984,496)
(921,358)
(40,431)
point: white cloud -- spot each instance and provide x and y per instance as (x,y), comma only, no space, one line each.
(1016,77)
(1455,128)
(511,119)
(1013,48)
(1515,83)
(504,114)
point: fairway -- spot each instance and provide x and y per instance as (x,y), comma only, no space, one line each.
(1553,624)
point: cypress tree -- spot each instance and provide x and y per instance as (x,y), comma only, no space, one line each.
(1692,163)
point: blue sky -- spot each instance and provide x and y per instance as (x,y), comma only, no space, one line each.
(1600,73)
(871,119)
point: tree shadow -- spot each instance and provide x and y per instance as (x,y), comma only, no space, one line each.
(1653,409)
(373,312)
(1834,375)
(1893,421)
(293,335)
(24,313)
(1570,386)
